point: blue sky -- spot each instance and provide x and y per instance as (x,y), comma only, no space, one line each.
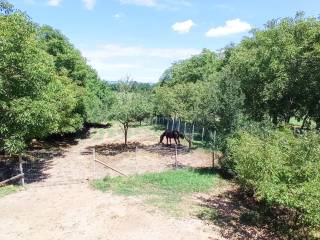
(141,38)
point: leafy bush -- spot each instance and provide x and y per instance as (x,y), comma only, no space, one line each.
(282,169)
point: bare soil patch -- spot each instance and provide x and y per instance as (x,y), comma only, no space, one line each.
(60,204)
(73,210)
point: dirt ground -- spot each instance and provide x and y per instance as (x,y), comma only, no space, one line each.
(62,205)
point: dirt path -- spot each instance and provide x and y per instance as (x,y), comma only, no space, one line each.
(75,211)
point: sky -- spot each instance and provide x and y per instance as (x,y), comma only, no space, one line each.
(142,38)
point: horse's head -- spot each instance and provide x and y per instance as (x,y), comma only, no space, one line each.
(162,137)
(181,135)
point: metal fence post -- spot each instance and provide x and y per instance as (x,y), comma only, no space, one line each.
(21,170)
(202,134)
(192,131)
(214,148)
(172,124)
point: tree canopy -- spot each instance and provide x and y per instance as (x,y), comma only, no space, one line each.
(46,85)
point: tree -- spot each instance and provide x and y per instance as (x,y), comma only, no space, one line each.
(46,87)
(200,67)
(279,70)
(97,98)
(142,105)
(129,107)
(25,72)
(6,7)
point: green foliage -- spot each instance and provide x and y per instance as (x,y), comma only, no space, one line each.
(200,67)
(46,86)
(282,169)
(188,89)
(25,72)
(133,85)
(6,7)
(130,106)
(279,71)
(229,103)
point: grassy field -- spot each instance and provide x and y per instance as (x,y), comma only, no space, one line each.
(6,190)
(166,190)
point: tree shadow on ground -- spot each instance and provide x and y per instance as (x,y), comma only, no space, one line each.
(214,171)
(238,216)
(114,149)
(39,155)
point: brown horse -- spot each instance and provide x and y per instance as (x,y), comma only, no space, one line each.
(171,134)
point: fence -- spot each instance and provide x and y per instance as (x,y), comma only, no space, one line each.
(116,160)
(43,167)
(195,131)
(11,170)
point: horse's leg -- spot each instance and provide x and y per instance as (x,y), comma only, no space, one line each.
(167,140)
(170,141)
(178,140)
(175,140)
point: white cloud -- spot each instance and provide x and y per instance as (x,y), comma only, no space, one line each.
(89,4)
(118,16)
(113,61)
(148,3)
(231,27)
(54,3)
(183,27)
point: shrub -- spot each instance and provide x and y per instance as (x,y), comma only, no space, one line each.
(281,169)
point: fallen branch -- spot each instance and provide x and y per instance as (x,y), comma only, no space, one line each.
(11,179)
(110,167)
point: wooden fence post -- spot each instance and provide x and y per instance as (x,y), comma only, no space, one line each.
(185,128)
(21,170)
(179,125)
(167,124)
